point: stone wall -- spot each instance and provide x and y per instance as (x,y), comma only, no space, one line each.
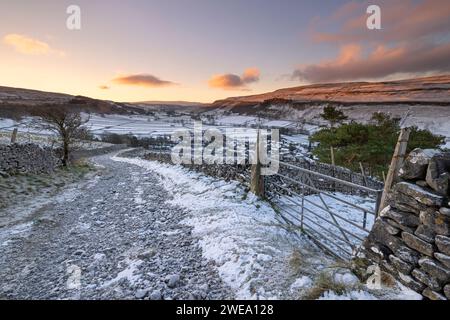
(411,237)
(27,158)
(239,173)
(78,154)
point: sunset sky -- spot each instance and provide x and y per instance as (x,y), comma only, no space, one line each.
(204,50)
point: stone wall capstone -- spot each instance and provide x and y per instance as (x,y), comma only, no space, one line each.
(411,237)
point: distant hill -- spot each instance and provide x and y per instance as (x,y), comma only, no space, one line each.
(9,95)
(174,106)
(17,102)
(423,90)
(172,103)
(425,101)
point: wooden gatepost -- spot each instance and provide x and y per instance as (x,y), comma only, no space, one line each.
(396,163)
(257,180)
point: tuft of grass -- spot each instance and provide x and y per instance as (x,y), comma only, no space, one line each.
(387,280)
(296,261)
(323,283)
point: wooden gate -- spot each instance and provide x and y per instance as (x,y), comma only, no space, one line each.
(336,214)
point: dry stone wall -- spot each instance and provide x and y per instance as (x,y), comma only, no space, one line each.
(411,237)
(27,158)
(227,172)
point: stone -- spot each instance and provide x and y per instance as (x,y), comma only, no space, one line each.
(156,295)
(376,251)
(419,194)
(398,226)
(404,203)
(447,291)
(141,294)
(147,254)
(443,258)
(415,164)
(426,279)
(438,174)
(379,234)
(445,211)
(418,244)
(401,265)
(392,230)
(425,233)
(433,295)
(402,218)
(443,244)
(388,267)
(437,222)
(407,254)
(79,252)
(410,282)
(422,183)
(172,280)
(435,269)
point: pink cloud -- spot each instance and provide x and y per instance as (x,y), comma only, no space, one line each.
(414,39)
(144,80)
(234,82)
(351,64)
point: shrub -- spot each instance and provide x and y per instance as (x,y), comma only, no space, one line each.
(371,144)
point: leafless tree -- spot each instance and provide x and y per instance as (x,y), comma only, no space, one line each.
(66,122)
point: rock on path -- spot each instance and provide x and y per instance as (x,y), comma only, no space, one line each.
(118,239)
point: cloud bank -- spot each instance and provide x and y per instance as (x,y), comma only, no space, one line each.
(414,40)
(351,64)
(234,82)
(143,80)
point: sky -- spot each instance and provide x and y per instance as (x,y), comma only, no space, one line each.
(205,50)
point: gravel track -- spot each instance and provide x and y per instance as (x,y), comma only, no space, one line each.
(115,238)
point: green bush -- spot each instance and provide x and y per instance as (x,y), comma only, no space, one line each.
(333,115)
(371,144)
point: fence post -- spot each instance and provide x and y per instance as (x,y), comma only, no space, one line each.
(363,173)
(303,212)
(396,163)
(378,203)
(257,180)
(333,162)
(14,136)
(333,169)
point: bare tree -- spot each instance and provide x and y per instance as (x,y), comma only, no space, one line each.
(66,122)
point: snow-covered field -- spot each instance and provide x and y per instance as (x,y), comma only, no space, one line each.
(247,242)
(162,124)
